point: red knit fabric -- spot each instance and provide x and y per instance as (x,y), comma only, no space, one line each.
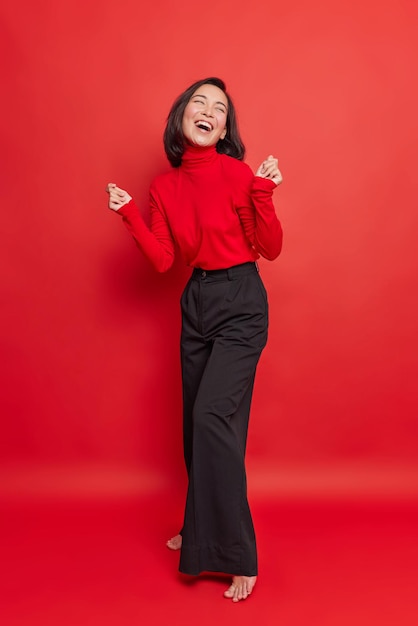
(213,207)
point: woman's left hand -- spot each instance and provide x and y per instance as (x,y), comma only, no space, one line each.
(269,169)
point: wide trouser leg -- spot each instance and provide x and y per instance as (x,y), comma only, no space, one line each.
(224,332)
(195,352)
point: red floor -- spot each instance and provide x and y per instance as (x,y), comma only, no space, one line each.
(324,563)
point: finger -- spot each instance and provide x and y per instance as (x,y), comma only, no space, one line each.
(273,166)
(269,170)
(271,159)
(117,197)
(272,162)
(118,194)
(267,167)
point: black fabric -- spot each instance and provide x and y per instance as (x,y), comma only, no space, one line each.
(224,330)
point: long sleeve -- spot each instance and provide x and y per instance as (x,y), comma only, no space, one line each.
(259,219)
(155,242)
(211,210)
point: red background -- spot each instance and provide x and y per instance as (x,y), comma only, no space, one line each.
(90,380)
(90,370)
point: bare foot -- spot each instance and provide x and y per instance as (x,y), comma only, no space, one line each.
(241,588)
(174,543)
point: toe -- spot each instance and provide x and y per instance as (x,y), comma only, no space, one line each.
(229,593)
(174,543)
(241,588)
(243,592)
(237,594)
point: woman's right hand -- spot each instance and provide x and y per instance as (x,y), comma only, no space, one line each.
(117,197)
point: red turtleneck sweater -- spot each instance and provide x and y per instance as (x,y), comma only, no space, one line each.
(213,207)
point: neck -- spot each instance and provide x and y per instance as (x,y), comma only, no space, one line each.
(196,156)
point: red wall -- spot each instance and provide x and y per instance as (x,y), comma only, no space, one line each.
(89,342)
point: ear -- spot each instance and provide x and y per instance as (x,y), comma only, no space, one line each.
(223,135)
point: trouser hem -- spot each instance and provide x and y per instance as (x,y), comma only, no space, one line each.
(195,560)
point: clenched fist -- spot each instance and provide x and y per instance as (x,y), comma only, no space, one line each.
(269,169)
(117,197)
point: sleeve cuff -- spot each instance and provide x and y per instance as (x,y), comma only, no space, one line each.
(128,210)
(263,184)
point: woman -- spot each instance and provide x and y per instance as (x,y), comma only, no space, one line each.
(221,218)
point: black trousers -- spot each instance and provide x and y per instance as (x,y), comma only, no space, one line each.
(224,330)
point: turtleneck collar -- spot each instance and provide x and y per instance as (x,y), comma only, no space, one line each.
(196,156)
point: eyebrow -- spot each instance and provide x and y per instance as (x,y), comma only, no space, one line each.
(198,95)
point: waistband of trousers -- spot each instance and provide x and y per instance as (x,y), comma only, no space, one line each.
(228,273)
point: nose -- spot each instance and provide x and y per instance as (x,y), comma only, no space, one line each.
(208,111)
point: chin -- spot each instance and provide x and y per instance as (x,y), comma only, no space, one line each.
(201,141)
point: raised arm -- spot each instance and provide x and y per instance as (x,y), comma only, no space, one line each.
(258,215)
(155,242)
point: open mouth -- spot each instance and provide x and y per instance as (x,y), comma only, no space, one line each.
(205,126)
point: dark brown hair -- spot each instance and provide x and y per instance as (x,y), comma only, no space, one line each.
(231,145)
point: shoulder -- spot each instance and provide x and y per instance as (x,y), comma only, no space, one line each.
(239,168)
(165,177)
(239,171)
(163,182)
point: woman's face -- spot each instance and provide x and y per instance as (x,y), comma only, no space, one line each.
(205,115)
